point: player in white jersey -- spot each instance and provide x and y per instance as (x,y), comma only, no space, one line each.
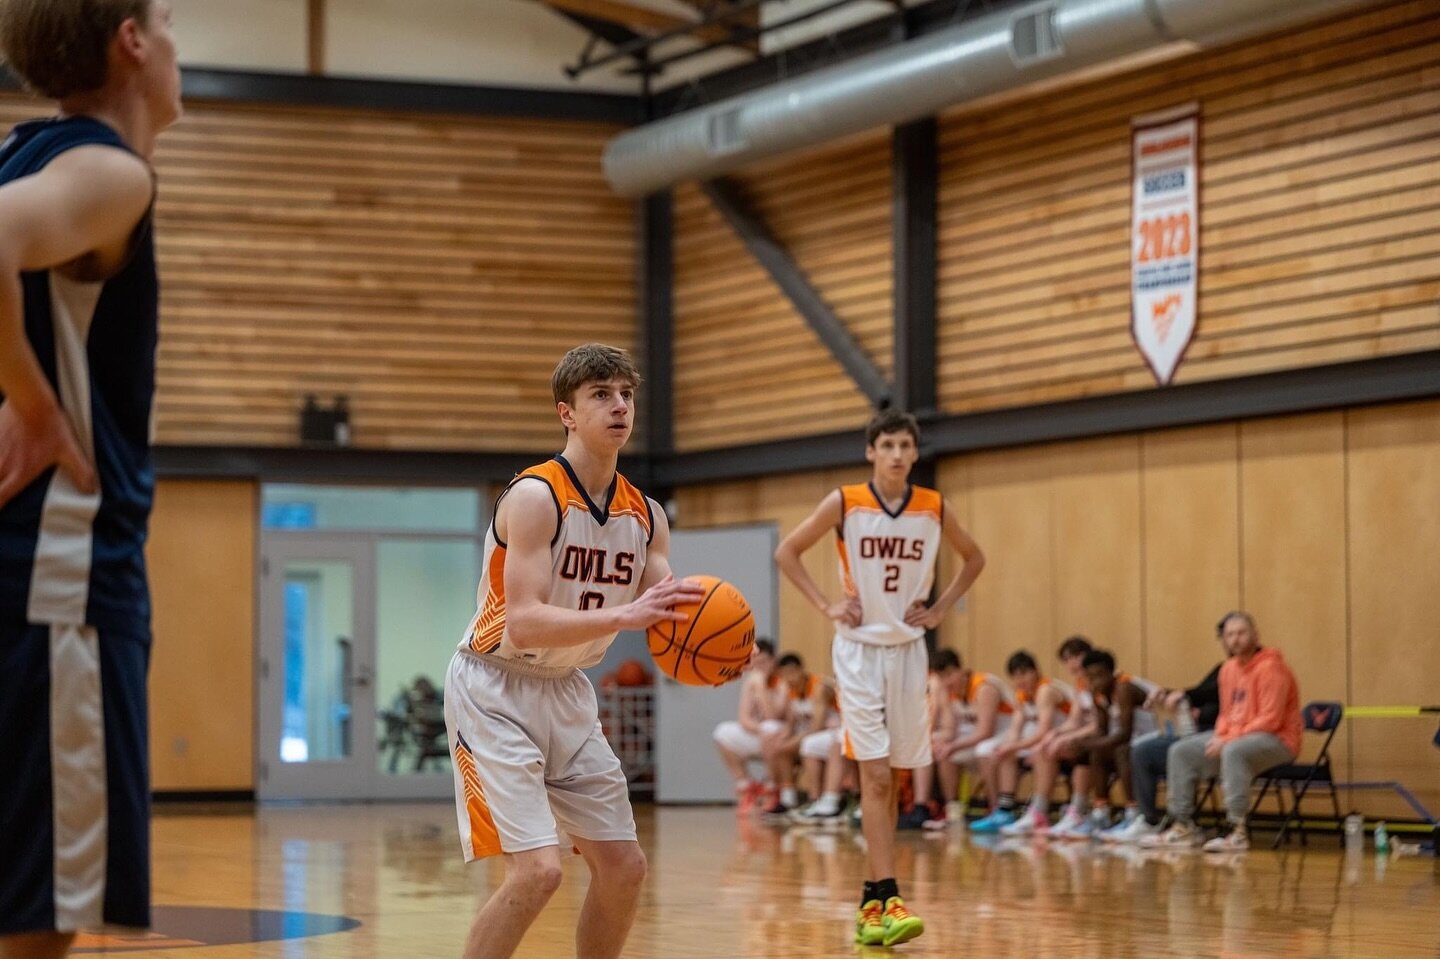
(1122,716)
(889,534)
(574,555)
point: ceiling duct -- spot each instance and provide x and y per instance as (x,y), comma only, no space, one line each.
(991,54)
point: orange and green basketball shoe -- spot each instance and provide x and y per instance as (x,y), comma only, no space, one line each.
(870,924)
(899,923)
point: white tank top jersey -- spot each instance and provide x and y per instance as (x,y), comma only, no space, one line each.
(887,560)
(1142,721)
(1030,708)
(598,555)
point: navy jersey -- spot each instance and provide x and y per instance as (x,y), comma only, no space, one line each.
(67,557)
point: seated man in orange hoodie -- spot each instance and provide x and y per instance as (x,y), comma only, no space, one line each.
(1258,729)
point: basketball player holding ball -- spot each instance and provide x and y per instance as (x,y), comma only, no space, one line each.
(889,533)
(574,555)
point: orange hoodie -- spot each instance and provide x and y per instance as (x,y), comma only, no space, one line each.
(1259,697)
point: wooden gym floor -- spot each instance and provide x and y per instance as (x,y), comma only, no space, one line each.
(380,881)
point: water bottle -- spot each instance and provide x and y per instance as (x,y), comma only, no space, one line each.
(1382,839)
(1354,834)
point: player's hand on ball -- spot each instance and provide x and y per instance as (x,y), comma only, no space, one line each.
(657,604)
(846,611)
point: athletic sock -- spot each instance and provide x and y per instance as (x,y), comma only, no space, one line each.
(868,894)
(1006,803)
(885,889)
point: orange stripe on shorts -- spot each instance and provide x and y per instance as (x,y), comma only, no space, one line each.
(484,837)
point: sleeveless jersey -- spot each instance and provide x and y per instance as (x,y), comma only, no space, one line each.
(1029,708)
(1142,721)
(802,702)
(965,703)
(67,557)
(598,555)
(887,560)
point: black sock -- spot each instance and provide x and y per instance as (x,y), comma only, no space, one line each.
(1006,803)
(885,889)
(868,894)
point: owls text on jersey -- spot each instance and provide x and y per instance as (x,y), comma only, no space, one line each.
(887,559)
(598,556)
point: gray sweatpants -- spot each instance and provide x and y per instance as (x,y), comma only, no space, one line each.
(1240,762)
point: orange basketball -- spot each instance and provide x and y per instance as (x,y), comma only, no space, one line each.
(632,672)
(713,645)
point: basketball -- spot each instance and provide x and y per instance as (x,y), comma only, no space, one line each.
(713,645)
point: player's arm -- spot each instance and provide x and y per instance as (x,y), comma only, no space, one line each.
(929,617)
(1047,701)
(826,518)
(86,200)
(987,706)
(526,520)
(752,703)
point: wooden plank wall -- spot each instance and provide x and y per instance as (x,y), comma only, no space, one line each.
(748,368)
(1320,215)
(432,268)
(1322,525)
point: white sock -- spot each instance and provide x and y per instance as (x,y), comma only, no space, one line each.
(788,796)
(828,803)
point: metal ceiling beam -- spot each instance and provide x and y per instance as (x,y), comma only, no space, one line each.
(808,302)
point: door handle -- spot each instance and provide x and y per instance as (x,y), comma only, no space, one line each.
(363,676)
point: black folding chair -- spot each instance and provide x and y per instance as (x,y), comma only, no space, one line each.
(1323,718)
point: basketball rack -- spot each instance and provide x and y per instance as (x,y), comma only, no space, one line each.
(627,715)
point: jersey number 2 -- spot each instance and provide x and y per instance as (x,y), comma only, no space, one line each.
(892,578)
(592,600)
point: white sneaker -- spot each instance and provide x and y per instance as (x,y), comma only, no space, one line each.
(1032,822)
(1135,832)
(1113,833)
(1072,825)
(1237,841)
(955,813)
(1180,835)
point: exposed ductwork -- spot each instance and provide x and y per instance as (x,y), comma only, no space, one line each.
(991,54)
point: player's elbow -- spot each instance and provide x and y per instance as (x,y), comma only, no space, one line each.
(522,629)
(976,560)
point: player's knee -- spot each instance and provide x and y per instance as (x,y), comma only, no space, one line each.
(631,866)
(537,881)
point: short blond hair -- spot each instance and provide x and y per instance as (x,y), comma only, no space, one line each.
(62,47)
(591,363)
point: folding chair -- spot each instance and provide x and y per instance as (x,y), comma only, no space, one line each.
(1319,717)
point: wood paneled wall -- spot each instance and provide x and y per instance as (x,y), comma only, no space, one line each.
(202,668)
(1320,215)
(748,368)
(432,268)
(1324,526)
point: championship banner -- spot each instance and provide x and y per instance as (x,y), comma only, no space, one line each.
(1164,239)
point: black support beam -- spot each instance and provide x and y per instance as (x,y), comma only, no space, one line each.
(1411,376)
(657,305)
(796,286)
(915,184)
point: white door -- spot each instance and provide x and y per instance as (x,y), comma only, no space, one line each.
(317,668)
(356,632)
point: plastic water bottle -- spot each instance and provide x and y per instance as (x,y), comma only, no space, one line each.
(1354,834)
(1382,839)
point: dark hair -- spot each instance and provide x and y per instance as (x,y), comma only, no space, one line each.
(1234,614)
(1074,646)
(1021,661)
(1099,657)
(765,645)
(591,363)
(62,47)
(790,659)
(891,421)
(943,659)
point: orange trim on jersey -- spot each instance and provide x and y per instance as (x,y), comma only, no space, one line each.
(484,837)
(978,679)
(860,497)
(627,501)
(848,581)
(490,624)
(849,746)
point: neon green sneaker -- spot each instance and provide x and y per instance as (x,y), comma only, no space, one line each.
(869,924)
(900,924)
